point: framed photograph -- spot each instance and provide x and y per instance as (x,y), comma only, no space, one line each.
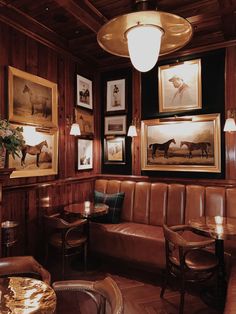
(84,92)
(114,150)
(32,99)
(180,86)
(86,122)
(39,155)
(115,96)
(115,125)
(190,143)
(85,154)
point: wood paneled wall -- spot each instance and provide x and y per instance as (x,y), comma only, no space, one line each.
(22,196)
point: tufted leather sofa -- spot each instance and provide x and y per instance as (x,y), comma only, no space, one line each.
(139,237)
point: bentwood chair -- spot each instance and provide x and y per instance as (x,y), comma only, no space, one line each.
(19,265)
(189,261)
(69,238)
(103,296)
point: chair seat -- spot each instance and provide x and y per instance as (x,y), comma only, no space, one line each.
(73,241)
(201,260)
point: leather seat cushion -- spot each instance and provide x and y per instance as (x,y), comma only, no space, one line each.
(132,241)
(201,260)
(73,241)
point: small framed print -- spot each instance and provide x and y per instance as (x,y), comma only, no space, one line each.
(86,122)
(84,92)
(114,150)
(85,154)
(115,96)
(115,125)
(180,86)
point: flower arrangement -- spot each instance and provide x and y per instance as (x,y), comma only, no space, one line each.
(11,138)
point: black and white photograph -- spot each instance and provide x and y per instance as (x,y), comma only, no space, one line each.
(115,125)
(84,92)
(115,95)
(85,154)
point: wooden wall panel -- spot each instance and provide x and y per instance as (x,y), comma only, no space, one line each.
(230,104)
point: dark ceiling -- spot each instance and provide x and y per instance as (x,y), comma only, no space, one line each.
(72,25)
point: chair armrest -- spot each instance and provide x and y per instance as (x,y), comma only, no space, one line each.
(23,265)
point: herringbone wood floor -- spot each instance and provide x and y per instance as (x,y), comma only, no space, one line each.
(140,289)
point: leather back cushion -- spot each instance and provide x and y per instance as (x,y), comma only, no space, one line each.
(155,203)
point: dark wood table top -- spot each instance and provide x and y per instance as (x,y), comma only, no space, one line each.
(26,295)
(217,227)
(87,210)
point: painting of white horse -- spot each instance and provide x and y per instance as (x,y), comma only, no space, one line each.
(32,99)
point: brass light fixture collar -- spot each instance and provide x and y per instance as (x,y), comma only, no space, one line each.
(139,24)
(177,31)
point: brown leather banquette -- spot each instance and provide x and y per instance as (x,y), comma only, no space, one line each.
(139,237)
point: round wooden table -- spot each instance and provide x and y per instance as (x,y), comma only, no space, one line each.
(87,209)
(219,228)
(26,295)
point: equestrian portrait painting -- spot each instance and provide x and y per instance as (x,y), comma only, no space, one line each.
(190,143)
(86,121)
(38,156)
(115,96)
(179,86)
(84,92)
(32,99)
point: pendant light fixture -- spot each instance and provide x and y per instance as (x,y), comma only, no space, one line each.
(144,35)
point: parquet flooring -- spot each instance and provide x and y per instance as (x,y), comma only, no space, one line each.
(140,290)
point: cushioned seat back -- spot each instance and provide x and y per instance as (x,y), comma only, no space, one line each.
(175,205)
(195,202)
(231,202)
(128,187)
(158,203)
(215,201)
(141,202)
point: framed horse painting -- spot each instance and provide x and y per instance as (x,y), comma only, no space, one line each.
(32,99)
(189,143)
(38,156)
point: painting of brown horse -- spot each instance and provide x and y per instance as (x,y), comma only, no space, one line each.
(203,146)
(32,150)
(162,147)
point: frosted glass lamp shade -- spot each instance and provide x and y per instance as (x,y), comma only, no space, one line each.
(144,43)
(230,125)
(75,129)
(132,131)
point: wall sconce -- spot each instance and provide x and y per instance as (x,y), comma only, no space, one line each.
(75,128)
(230,125)
(132,131)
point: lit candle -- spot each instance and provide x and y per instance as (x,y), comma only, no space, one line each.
(219,220)
(87,206)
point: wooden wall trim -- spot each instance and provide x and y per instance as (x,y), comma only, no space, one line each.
(47,184)
(204,182)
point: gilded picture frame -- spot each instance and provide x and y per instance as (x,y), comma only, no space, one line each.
(179,86)
(114,150)
(190,143)
(39,156)
(32,99)
(84,92)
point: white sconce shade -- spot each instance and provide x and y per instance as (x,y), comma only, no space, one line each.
(75,129)
(144,43)
(230,125)
(132,131)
